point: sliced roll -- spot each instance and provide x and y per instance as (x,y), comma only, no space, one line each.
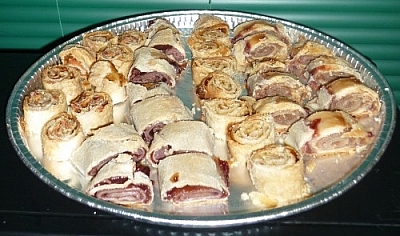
(39,106)
(245,136)
(325,69)
(202,67)
(283,111)
(120,55)
(78,56)
(61,135)
(208,48)
(302,53)
(277,172)
(190,178)
(259,47)
(93,110)
(218,113)
(256,26)
(210,28)
(150,115)
(158,24)
(99,39)
(267,66)
(123,182)
(106,144)
(66,78)
(329,133)
(138,92)
(170,43)
(132,38)
(354,97)
(181,137)
(151,66)
(218,85)
(278,84)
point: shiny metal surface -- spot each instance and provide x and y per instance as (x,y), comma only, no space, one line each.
(235,212)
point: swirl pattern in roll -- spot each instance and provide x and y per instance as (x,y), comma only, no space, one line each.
(93,110)
(277,172)
(99,39)
(250,134)
(78,56)
(132,38)
(278,84)
(61,135)
(120,55)
(218,85)
(328,133)
(39,106)
(66,78)
(218,113)
(202,67)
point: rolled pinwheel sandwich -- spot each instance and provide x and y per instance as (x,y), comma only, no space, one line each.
(132,38)
(256,26)
(98,40)
(278,84)
(150,115)
(151,66)
(267,66)
(210,28)
(39,106)
(181,137)
(61,135)
(120,55)
(218,85)
(191,178)
(283,111)
(302,53)
(170,43)
(325,69)
(277,171)
(104,77)
(66,78)
(158,24)
(78,56)
(245,136)
(93,110)
(122,181)
(202,67)
(218,113)
(106,144)
(329,133)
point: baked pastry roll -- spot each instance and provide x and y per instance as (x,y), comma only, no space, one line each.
(218,113)
(193,178)
(160,110)
(210,28)
(202,67)
(218,85)
(77,56)
(106,144)
(278,84)
(283,111)
(170,43)
(98,40)
(245,136)
(181,137)
(122,181)
(158,24)
(39,106)
(208,48)
(352,96)
(132,38)
(325,69)
(93,110)
(302,53)
(66,78)
(120,55)
(151,66)
(60,136)
(259,47)
(328,133)
(277,172)
(255,26)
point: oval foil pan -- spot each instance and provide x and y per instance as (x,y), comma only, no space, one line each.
(235,211)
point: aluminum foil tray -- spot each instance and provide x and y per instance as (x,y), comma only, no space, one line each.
(236,211)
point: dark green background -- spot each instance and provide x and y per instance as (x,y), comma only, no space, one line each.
(371,27)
